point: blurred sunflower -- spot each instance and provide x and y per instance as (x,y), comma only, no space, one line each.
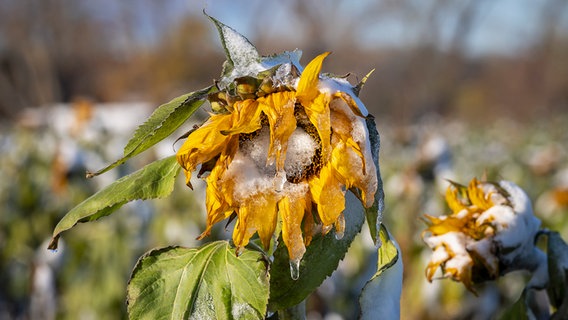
(490,232)
(269,153)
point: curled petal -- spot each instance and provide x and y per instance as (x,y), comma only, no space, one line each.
(350,102)
(292,213)
(204,144)
(439,256)
(308,85)
(328,195)
(257,214)
(319,114)
(309,226)
(453,200)
(477,195)
(279,109)
(349,162)
(351,156)
(245,117)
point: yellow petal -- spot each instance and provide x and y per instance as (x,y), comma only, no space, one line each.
(431,270)
(316,104)
(349,101)
(279,109)
(349,163)
(308,84)
(318,113)
(340,226)
(204,143)
(218,198)
(477,195)
(292,213)
(245,117)
(348,160)
(309,224)
(453,201)
(257,214)
(463,275)
(328,195)
(228,153)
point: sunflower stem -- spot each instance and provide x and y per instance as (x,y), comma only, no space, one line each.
(297,312)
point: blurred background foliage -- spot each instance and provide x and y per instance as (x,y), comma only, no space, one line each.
(461,89)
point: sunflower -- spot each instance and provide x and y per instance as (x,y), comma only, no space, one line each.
(490,232)
(269,154)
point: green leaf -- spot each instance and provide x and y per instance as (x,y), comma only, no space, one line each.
(381,294)
(155,180)
(374,214)
(164,121)
(320,260)
(209,282)
(557,252)
(241,54)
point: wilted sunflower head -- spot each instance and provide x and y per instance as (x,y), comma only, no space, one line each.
(283,144)
(490,232)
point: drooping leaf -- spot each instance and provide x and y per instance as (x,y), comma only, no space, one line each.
(557,253)
(374,214)
(164,121)
(242,57)
(209,282)
(155,180)
(381,294)
(320,260)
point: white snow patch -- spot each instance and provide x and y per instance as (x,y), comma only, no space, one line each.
(439,255)
(301,149)
(242,310)
(484,248)
(287,57)
(247,176)
(257,150)
(333,85)
(455,244)
(253,174)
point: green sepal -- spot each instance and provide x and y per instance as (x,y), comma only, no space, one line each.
(155,180)
(208,282)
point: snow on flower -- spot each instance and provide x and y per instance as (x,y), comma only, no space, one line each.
(490,232)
